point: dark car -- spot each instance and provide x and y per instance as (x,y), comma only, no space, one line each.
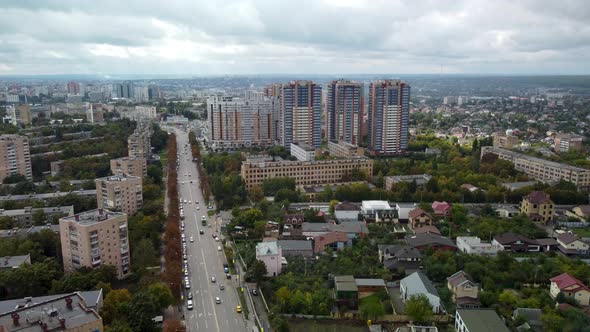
(189,295)
(228,276)
(254,292)
(201,231)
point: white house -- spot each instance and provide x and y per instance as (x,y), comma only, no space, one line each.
(378,210)
(417,284)
(473,245)
(271,254)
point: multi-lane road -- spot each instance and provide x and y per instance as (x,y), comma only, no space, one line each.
(205,259)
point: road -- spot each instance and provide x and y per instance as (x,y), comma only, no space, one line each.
(204,258)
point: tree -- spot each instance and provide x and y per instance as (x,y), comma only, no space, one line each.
(257,271)
(144,254)
(161,294)
(371,309)
(39,217)
(142,310)
(116,305)
(552,321)
(333,204)
(419,308)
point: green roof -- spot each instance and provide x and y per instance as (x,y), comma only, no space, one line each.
(482,320)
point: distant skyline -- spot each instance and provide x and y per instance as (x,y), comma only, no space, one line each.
(325,37)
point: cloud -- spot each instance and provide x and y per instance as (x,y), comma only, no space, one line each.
(307,36)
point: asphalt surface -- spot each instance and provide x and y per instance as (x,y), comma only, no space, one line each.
(204,259)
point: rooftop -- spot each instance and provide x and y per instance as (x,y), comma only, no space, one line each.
(370,282)
(91,298)
(92,217)
(376,205)
(482,320)
(11,262)
(533,159)
(345,283)
(295,245)
(267,248)
(538,197)
(425,239)
(418,282)
(118,177)
(304,146)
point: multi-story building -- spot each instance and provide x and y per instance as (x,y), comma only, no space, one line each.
(542,169)
(15,157)
(504,141)
(129,166)
(24,217)
(19,114)
(149,112)
(420,179)
(256,170)
(94,113)
(236,122)
(94,238)
(341,149)
(568,142)
(123,90)
(537,206)
(302,151)
(139,143)
(389,108)
(300,113)
(119,193)
(141,94)
(73,88)
(476,320)
(344,111)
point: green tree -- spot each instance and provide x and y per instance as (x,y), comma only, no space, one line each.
(372,310)
(333,204)
(142,310)
(116,305)
(144,254)
(257,271)
(552,321)
(418,308)
(161,294)
(39,217)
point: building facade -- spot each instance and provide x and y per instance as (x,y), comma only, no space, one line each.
(341,149)
(504,141)
(271,254)
(537,206)
(139,143)
(19,114)
(568,142)
(15,157)
(94,238)
(389,108)
(129,166)
(300,113)
(344,111)
(119,193)
(302,151)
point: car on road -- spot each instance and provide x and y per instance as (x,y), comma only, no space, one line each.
(198,208)
(214,235)
(187,285)
(213,280)
(189,304)
(254,292)
(218,248)
(217,239)
(226,269)
(201,231)
(217,300)
(221,287)
(186,273)
(192,239)
(189,295)
(227,276)
(238,308)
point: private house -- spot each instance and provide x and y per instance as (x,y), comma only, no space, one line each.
(516,243)
(427,229)
(441,209)
(416,284)
(367,287)
(465,290)
(335,240)
(571,244)
(346,292)
(14,262)
(270,253)
(296,248)
(532,317)
(424,240)
(418,218)
(271,229)
(473,245)
(403,211)
(507,211)
(353,229)
(547,244)
(570,287)
(469,187)
(378,211)
(537,206)
(581,212)
(292,224)
(347,211)
(400,257)
(479,320)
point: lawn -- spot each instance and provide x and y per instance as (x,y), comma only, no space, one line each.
(582,232)
(164,157)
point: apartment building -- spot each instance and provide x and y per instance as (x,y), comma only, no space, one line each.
(389,108)
(129,166)
(19,114)
(94,238)
(94,113)
(504,141)
(420,179)
(24,217)
(568,142)
(342,149)
(537,206)
(138,143)
(300,113)
(119,193)
(256,170)
(542,169)
(15,157)
(344,111)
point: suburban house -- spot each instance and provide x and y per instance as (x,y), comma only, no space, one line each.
(581,212)
(14,262)
(426,229)
(270,253)
(334,240)
(296,248)
(367,287)
(537,206)
(347,211)
(271,229)
(425,240)
(399,257)
(292,224)
(346,292)
(479,320)
(465,290)
(441,209)
(417,284)
(473,245)
(378,211)
(571,244)
(353,229)
(403,211)
(532,317)
(570,287)
(548,244)
(507,211)
(516,243)
(418,218)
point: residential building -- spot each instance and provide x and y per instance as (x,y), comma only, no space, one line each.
(344,111)
(56,167)
(68,313)
(94,114)
(571,244)
(419,179)
(129,166)
(334,240)
(418,283)
(403,211)
(504,141)
(15,157)
(149,112)
(342,149)
(73,88)
(570,287)
(419,218)
(400,257)
(389,103)
(568,142)
(422,241)
(138,143)
(14,262)
(256,170)
(542,169)
(367,287)
(19,114)
(292,225)
(441,209)
(93,300)
(353,229)
(465,290)
(302,151)
(119,193)
(123,90)
(296,248)
(507,211)
(516,243)
(537,206)
(478,320)
(346,211)
(94,238)
(300,113)
(346,292)
(473,245)
(271,229)
(271,254)
(378,211)
(24,217)
(532,316)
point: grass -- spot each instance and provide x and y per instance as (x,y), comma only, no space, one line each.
(583,232)
(211,213)
(164,157)
(243,302)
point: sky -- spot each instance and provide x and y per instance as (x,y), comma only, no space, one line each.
(219,37)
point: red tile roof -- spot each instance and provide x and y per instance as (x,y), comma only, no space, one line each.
(321,241)
(417,212)
(565,280)
(538,197)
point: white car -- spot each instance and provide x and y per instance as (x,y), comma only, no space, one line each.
(192,239)
(217,239)
(198,208)
(218,248)
(218,300)
(189,304)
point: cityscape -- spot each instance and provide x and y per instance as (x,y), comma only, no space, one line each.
(243,166)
